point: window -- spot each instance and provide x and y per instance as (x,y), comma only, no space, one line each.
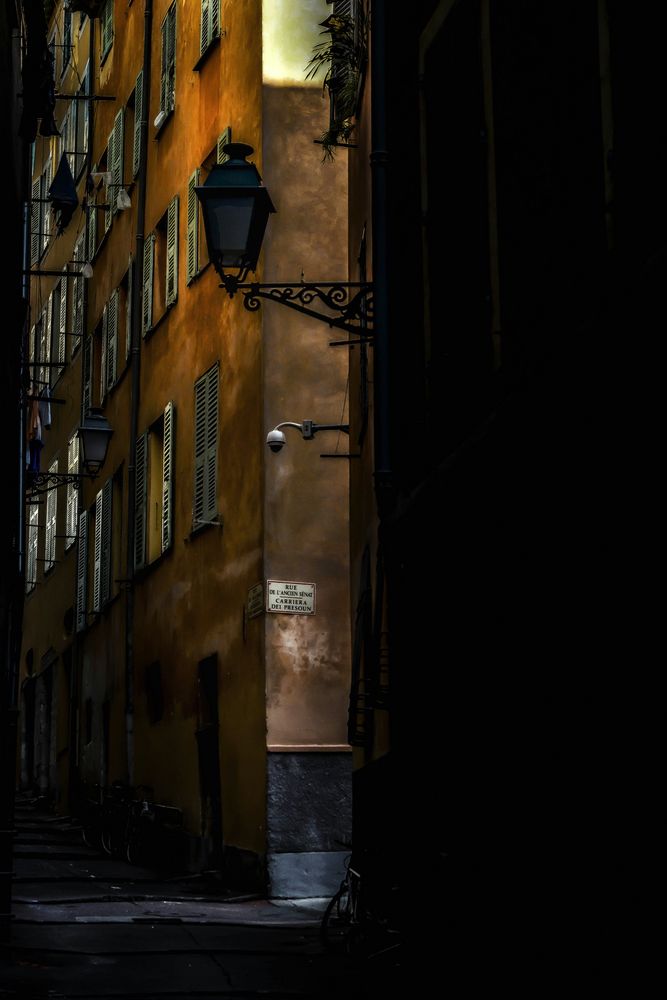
(168,71)
(160,277)
(72,504)
(82,572)
(31,548)
(50,526)
(109,347)
(154,488)
(197,257)
(102,590)
(139,116)
(58,328)
(206,448)
(67,40)
(40,221)
(44,346)
(78,293)
(88,374)
(210,23)
(106,22)
(115,160)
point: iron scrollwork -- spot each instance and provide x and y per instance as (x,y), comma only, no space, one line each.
(42,482)
(350,303)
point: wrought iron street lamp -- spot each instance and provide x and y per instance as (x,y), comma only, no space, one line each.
(94,435)
(236,208)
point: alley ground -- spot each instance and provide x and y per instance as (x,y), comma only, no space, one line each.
(87,926)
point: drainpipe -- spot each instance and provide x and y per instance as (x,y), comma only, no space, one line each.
(378,159)
(135,354)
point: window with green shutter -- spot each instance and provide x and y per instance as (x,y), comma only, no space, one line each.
(171,280)
(82,572)
(115,157)
(106,27)
(168,66)
(210,23)
(139,117)
(168,434)
(147,285)
(72,503)
(154,489)
(31,548)
(103,546)
(205,507)
(50,526)
(192,262)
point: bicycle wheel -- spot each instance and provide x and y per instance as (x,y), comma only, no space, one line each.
(337,919)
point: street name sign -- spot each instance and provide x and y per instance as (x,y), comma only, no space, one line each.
(290,598)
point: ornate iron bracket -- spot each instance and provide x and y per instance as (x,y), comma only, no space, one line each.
(348,311)
(42,482)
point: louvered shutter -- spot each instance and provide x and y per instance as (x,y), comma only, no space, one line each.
(172,252)
(35,237)
(139,116)
(50,527)
(107,26)
(223,139)
(110,197)
(215,19)
(77,295)
(103,354)
(206,446)
(92,224)
(45,345)
(140,490)
(106,547)
(115,160)
(81,565)
(87,393)
(147,289)
(128,307)
(97,561)
(193,228)
(211,443)
(171,57)
(168,438)
(72,507)
(112,340)
(46,208)
(62,321)
(31,560)
(205,36)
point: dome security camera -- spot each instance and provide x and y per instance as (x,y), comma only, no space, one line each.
(275,440)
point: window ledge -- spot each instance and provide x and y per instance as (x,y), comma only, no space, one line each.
(197,276)
(163,124)
(213,44)
(141,574)
(159,321)
(202,526)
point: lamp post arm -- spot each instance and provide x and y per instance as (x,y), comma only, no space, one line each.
(350,303)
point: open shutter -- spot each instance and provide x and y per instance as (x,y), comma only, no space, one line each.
(110,197)
(97,562)
(171,57)
(35,237)
(46,208)
(139,116)
(164,74)
(50,527)
(92,224)
(215,19)
(115,158)
(223,139)
(87,393)
(77,295)
(193,228)
(211,443)
(107,26)
(140,484)
(72,507)
(128,307)
(206,447)
(45,345)
(205,36)
(103,354)
(81,564)
(147,291)
(62,320)
(167,475)
(31,558)
(172,252)
(112,340)
(105,554)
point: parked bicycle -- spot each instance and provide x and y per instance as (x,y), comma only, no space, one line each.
(362,916)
